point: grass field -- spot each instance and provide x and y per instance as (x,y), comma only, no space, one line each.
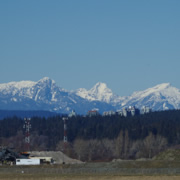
(85,177)
(125,170)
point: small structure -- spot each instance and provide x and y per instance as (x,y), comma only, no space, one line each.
(109,113)
(145,110)
(133,110)
(72,114)
(27,161)
(124,112)
(43,160)
(8,156)
(119,112)
(130,111)
(92,113)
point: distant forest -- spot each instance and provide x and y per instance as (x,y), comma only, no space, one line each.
(97,138)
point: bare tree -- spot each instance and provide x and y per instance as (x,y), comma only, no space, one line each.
(81,149)
(154,144)
(123,145)
(119,145)
(149,147)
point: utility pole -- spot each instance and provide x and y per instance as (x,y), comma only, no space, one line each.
(27,127)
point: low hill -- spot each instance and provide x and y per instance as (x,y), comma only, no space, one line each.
(169,155)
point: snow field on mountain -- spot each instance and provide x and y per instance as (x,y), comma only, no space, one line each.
(46,95)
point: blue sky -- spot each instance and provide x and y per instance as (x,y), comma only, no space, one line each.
(130,45)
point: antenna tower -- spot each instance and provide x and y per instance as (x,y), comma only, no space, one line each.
(27,126)
(65,131)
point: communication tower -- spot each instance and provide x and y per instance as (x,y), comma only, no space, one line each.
(65,140)
(65,131)
(27,127)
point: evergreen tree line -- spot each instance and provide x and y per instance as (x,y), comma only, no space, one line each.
(98,137)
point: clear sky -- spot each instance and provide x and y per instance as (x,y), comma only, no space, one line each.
(130,45)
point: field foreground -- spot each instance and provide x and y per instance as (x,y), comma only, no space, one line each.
(91,177)
(125,170)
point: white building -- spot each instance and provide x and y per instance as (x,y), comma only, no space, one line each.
(27,161)
(145,110)
(109,113)
(130,111)
(72,114)
(92,113)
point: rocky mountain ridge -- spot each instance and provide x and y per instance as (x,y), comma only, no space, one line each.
(46,95)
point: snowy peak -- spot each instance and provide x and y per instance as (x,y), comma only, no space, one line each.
(46,80)
(162,86)
(100,89)
(160,97)
(43,90)
(100,92)
(158,89)
(46,95)
(25,84)
(100,86)
(16,88)
(17,85)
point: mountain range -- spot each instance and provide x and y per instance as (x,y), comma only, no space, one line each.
(46,95)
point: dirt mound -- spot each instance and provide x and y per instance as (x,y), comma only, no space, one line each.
(57,156)
(169,155)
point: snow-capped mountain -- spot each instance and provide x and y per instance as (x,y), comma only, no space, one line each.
(160,97)
(46,95)
(100,92)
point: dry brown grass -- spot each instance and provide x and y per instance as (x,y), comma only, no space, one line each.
(126,170)
(83,177)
